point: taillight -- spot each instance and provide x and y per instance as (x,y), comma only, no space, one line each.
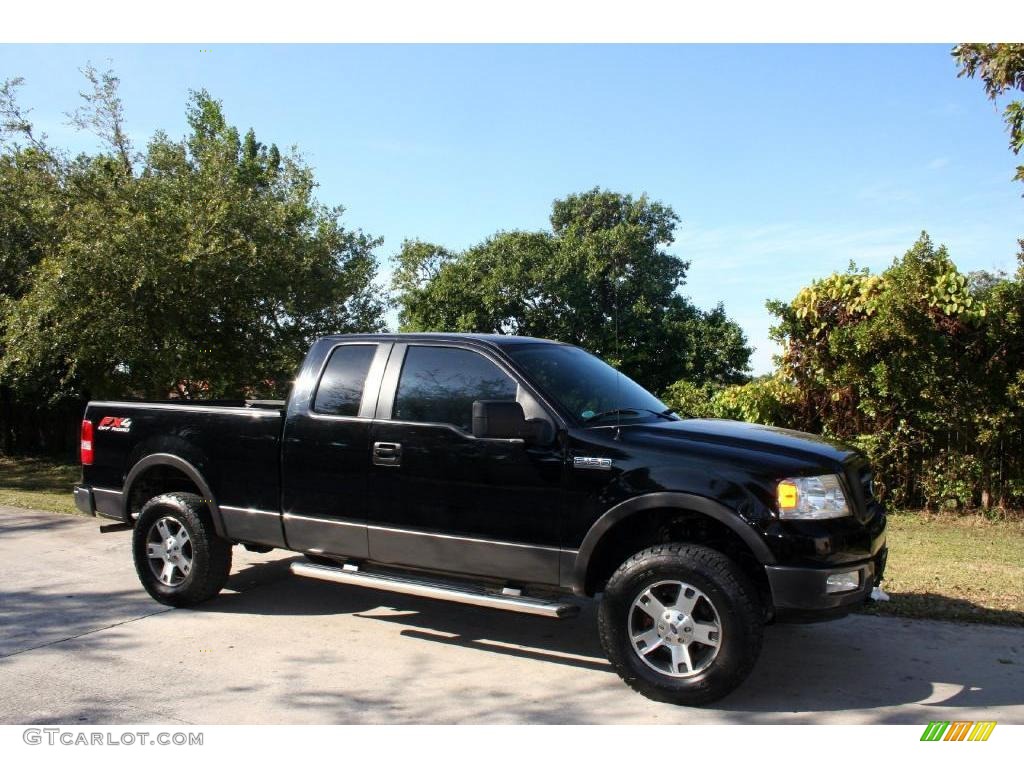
(86,441)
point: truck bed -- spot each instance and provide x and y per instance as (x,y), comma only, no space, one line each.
(233,444)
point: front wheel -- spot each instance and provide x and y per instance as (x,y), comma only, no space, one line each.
(681,623)
(179,557)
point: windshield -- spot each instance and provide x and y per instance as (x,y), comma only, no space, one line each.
(584,385)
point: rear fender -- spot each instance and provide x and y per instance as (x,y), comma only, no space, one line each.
(186,468)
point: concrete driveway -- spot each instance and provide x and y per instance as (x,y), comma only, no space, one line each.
(80,642)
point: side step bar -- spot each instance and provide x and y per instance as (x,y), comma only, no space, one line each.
(407,585)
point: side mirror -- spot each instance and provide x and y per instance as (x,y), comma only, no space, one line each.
(502,419)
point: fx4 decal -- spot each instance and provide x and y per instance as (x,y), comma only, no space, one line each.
(115,424)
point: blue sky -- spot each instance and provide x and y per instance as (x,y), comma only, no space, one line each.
(783,162)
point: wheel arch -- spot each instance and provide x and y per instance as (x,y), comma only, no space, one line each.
(660,505)
(154,462)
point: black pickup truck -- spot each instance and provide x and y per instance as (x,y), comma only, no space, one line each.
(505,472)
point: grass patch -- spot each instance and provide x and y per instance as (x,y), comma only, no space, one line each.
(38,484)
(957,567)
(941,566)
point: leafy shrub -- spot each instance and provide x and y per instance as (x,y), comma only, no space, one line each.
(691,401)
(921,368)
(766,400)
(950,479)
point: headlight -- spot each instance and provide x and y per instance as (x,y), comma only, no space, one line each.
(812,498)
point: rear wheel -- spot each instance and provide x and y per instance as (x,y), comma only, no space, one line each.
(178,556)
(681,623)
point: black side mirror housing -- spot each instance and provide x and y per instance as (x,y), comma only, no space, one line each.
(501,419)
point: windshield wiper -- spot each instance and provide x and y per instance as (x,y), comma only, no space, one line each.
(611,412)
(666,414)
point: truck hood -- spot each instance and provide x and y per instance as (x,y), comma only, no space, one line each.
(745,436)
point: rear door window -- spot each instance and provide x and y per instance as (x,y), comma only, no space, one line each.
(340,390)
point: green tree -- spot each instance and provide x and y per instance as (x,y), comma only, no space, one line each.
(921,367)
(601,278)
(30,199)
(203,266)
(1001,68)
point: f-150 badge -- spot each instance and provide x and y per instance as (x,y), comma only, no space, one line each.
(591,462)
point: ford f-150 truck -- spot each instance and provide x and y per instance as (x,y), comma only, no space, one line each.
(504,472)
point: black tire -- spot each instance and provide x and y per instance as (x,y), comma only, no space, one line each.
(728,598)
(210,555)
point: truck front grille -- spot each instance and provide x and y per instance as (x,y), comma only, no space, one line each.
(867,482)
(860,479)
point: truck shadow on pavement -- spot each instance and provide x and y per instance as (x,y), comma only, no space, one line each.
(31,619)
(860,662)
(16,524)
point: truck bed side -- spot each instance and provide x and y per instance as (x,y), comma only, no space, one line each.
(228,452)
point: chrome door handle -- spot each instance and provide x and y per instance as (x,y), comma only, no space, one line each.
(387,454)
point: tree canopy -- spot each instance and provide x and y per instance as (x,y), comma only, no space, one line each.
(601,277)
(203,266)
(1001,68)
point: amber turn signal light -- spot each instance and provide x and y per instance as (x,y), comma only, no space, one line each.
(787,494)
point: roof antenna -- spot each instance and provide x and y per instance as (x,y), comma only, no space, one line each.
(618,361)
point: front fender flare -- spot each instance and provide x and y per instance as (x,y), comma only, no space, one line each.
(178,463)
(664,500)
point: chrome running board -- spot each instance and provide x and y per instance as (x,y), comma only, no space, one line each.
(437,590)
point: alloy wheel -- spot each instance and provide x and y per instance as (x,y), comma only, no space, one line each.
(675,628)
(169,550)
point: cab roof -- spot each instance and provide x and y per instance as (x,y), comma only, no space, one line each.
(492,339)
